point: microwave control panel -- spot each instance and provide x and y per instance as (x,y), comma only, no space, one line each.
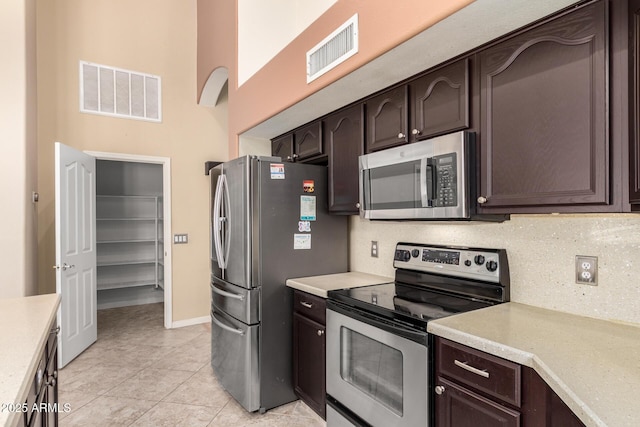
(446,182)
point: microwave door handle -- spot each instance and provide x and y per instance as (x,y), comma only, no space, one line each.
(365,191)
(428,182)
(424,192)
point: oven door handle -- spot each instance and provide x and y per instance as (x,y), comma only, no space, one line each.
(385,325)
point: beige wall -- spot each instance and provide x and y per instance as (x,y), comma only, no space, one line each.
(17,150)
(151,36)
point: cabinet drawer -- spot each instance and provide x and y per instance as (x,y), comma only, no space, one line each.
(482,372)
(310,306)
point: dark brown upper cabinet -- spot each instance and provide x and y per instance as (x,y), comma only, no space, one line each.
(282,147)
(387,120)
(344,140)
(439,101)
(301,145)
(307,141)
(544,124)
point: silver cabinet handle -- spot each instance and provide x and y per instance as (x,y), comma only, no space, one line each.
(415,132)
(401,135)
(482,200)
(467,367)
(306,304)
(225,327)
(51,381)
(320,332)
(439,390)
(227,294)
(358,205)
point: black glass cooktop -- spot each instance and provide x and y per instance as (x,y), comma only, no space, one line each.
(411,303)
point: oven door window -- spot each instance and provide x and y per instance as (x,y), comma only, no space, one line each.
(372,367)
(396,186)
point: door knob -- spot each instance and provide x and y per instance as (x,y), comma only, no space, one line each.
(320,332)
(415,132)
(482,200)
(439,390)
(64,266)
(401,135)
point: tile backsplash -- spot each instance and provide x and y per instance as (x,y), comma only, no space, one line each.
(541,250)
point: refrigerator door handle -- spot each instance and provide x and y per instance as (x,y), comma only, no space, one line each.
(225,327)
(217,222)
(225,220)
(227,294)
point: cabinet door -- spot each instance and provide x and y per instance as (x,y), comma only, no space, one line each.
(544,115)
(634,149)
(459,407)
(282,147)
(308,141)
(387,119)
(439,101)
(309,362)
(344,139)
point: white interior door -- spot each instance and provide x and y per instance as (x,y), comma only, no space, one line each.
(75,184)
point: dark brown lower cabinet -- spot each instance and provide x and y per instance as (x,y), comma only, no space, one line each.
(41,407)
(459,407)
(475,389)
(309,350)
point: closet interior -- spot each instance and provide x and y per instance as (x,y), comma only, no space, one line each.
(129,233)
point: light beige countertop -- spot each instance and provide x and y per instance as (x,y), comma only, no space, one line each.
(593,365)
(24,328)
(320,285)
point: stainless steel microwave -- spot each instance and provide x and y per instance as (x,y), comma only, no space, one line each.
(431,180)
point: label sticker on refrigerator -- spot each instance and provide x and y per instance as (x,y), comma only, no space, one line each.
(277,170)
(307,208)
(304,226)
(302,241)
(308,186)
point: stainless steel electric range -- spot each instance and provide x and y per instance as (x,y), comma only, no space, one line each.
(379,368)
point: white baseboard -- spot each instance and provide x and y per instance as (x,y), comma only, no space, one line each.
(190,322)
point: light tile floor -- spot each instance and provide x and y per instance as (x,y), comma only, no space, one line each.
(140,374)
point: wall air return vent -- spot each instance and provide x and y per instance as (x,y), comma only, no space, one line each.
(119,93)
(333,50)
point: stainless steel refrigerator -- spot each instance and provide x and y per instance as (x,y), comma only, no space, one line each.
(269,222)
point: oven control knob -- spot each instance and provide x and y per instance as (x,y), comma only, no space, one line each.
(439,389)
(468,263)
(406,255)
(415,253)
(492,265)
(479,259)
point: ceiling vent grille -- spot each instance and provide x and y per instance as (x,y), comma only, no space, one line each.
(119,93)
(333,50)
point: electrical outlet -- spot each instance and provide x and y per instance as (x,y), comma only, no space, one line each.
(586,270)
(374,248)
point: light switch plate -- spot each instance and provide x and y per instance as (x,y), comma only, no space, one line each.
(180,239)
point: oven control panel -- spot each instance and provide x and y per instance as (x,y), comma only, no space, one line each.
(473,263)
